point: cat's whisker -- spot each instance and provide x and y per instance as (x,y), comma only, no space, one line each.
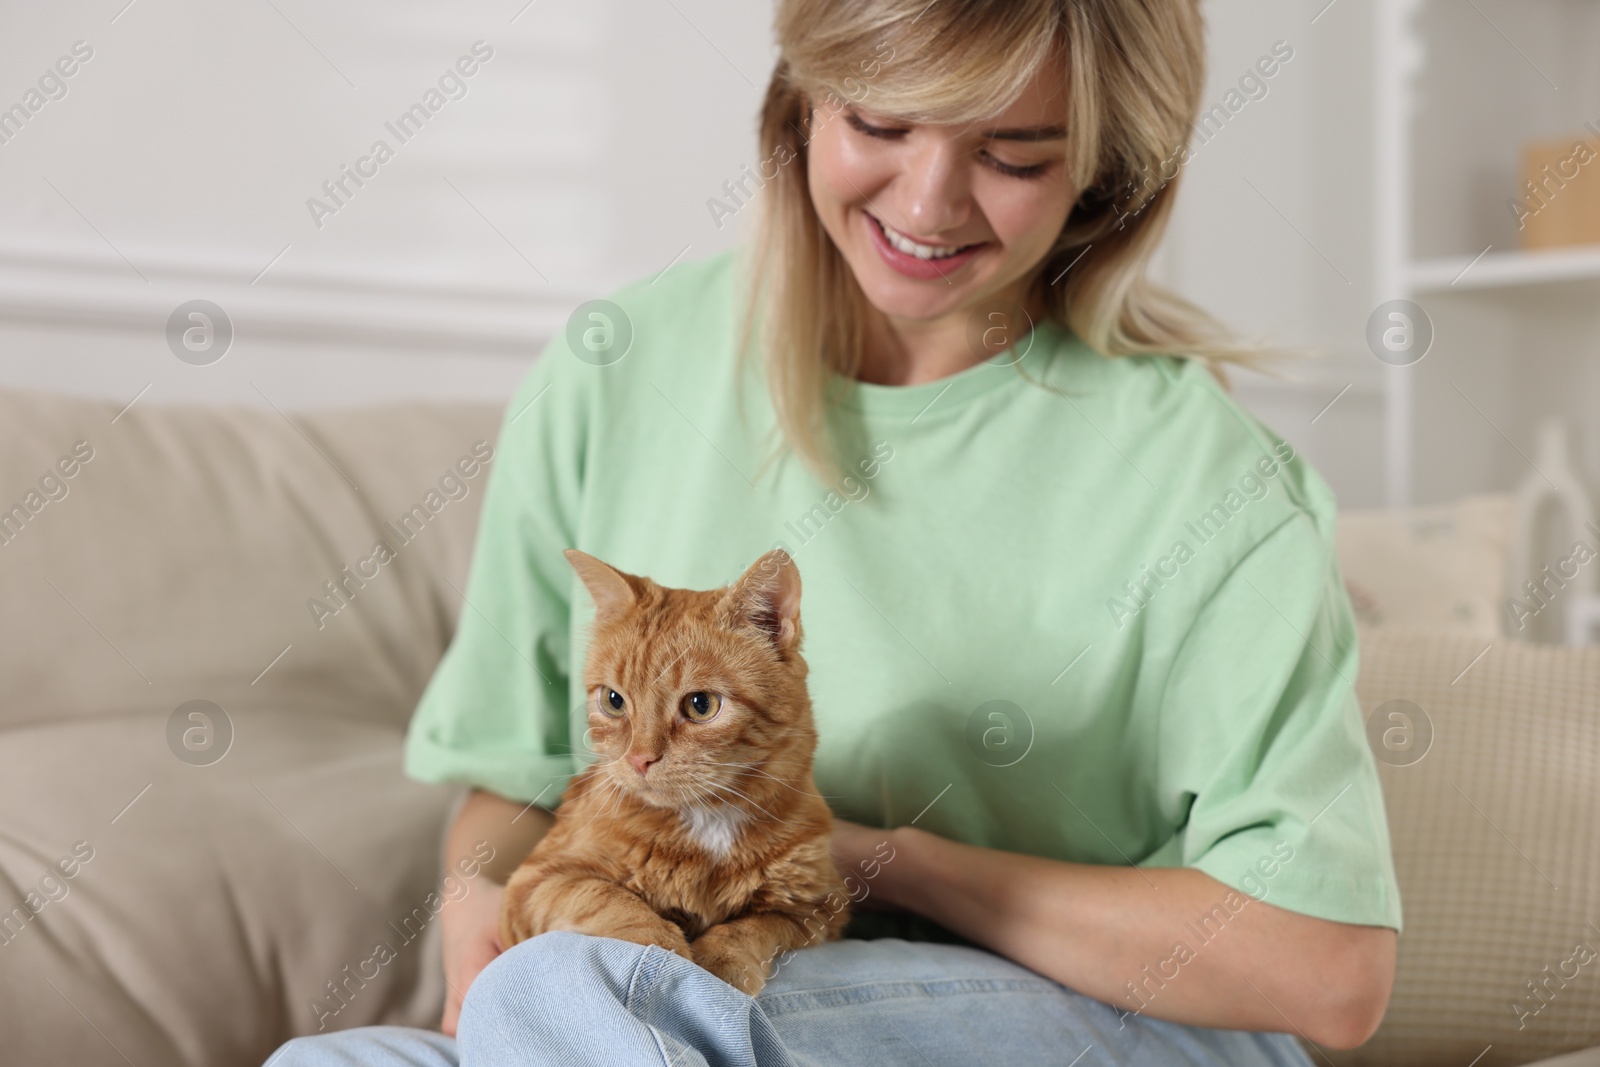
(617,804)
(708,781)
(601,760)
(766,817)
(721,786)
(740,793)
(605,799)
(754,769)
(697,796)
(611,803)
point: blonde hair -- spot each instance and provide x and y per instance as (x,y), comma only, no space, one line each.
(1133,72)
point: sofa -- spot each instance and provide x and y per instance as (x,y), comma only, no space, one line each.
(207,844)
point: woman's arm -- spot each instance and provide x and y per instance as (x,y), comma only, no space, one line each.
(511,828)
(470,925)
(1103,929)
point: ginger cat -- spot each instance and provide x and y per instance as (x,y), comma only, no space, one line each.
(700,829)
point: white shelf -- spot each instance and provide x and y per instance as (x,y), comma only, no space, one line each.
(1504,270)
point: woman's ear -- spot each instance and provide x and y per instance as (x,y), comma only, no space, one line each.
(613,591)
(767,598)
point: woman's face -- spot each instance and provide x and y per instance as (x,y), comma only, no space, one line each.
(935,220)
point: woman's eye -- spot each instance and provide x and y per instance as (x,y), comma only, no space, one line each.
(887,133)
(1012,170)
(701,707)
(609,701)
(890,133)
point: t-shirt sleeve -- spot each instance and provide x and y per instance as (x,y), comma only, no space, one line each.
(1260,726)
(494,715)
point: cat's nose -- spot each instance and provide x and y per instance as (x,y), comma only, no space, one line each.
(641,763)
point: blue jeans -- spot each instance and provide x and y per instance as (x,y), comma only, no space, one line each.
(566,999)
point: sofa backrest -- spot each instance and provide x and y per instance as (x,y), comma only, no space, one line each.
(172,554)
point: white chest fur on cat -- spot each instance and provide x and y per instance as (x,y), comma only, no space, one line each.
(714,828)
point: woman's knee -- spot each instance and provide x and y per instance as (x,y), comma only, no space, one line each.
(308,1051)
(551,968)
(368,1046)
(561,996)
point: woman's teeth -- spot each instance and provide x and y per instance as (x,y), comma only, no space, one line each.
(911,248)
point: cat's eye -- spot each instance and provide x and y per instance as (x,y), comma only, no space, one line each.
(609,701)
(701,707)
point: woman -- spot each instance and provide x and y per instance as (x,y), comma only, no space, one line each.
(1080,653)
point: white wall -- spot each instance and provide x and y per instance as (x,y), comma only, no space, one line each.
(179,163)
(1271,232)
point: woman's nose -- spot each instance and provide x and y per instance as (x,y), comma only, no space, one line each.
(937,197)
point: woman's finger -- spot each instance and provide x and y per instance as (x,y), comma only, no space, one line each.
(452,1014)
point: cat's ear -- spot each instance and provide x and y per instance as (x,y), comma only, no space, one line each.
(610,588)
(767,597)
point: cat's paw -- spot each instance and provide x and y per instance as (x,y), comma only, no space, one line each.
(520,917)
(662,934)
(516,925)
(738,968)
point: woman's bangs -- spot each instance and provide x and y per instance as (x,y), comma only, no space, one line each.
(946,72)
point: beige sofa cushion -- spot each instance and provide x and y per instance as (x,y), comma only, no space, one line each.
(218,898)
(1496,833)
(1433,569)
(181,559)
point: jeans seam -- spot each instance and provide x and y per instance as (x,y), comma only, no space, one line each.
(640,989)
(634,978)
(867,992)
(661,1047)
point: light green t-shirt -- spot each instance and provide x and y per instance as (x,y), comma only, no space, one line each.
(1103,624)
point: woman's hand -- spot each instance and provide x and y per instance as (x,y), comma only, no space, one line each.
(470,931)
(865,856)
(489,838)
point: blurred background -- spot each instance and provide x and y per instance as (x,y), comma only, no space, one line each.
(1410,199)
(1376,164)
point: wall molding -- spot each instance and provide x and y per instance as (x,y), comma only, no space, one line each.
(368,305)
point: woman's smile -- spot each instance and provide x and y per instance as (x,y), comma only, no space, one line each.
(914,259)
